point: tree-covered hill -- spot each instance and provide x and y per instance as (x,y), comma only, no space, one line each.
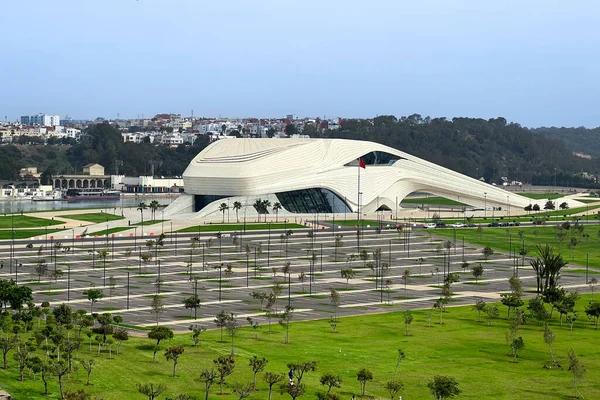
(101,144)
(475,147)
(581,140)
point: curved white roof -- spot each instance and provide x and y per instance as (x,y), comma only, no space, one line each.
(254,167)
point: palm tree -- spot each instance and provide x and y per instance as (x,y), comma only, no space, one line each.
(223,207)
(265,204)
(258,206)
(237,206)
(154,206)
(547,267)
(141,209)
(276,208)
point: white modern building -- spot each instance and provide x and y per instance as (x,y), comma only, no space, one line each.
(41,119)
(308,176)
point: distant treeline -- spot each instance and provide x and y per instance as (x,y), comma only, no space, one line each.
(581,140)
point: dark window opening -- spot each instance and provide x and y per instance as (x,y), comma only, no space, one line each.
(383,207)
(201,200)
(314,200)
(376,158)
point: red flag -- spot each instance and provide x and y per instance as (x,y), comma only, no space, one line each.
(361,163)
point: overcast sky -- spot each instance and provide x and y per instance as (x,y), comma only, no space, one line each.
(532,62)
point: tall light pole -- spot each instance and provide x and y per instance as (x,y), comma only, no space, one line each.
(484,204)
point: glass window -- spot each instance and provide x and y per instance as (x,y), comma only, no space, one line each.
(376,158)
(314,200)
(201,201)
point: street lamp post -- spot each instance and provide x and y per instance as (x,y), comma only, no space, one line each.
(269,247)
(12,246)
(321,257)
(195,298)
(128,290)
(158,281)
(484,204)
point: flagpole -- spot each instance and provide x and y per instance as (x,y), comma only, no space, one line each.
(358,213)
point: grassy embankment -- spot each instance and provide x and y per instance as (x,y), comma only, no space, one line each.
(503,238)
(473,353)
(95,218)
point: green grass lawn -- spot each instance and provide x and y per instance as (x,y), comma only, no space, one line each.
(93,217)
(433,200)
(498,238)
(26,233)
(473,353)
(149,222)
(238,227)
(24,221)
(110,231)
(595,200)
(537,196)
(556,215)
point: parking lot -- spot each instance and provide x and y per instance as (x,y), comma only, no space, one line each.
(225,271)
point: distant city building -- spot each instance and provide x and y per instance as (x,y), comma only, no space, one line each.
(93,169)
(173,140)
(29,171)
(41,119)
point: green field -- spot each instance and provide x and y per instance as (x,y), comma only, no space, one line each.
(473,353)
(149,222)
(24,221)
(537,196)
(110,231)
(594,200)
(434,200)
(556,215)
(238,227)
(93,217)
(499,238)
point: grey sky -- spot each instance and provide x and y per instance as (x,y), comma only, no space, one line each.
(532,62)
